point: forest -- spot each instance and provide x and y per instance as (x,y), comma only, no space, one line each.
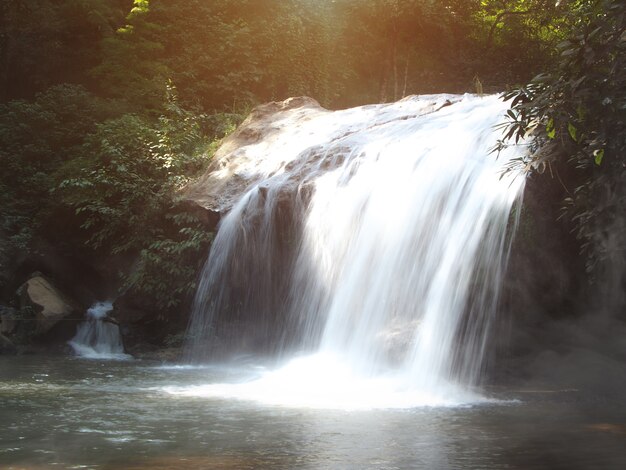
(313,234)
(109,107)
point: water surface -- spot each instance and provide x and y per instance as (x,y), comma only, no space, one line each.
(70,413)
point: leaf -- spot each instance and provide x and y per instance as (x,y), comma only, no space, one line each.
(542,77)
(550,130)
(572,131)
(598,155)
(564,44)
(569,52)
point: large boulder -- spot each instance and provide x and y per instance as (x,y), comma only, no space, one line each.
(48,304)
(235,165)
(291,128)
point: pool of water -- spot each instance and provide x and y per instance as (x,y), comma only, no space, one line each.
(58,412)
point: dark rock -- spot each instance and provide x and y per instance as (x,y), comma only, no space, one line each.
(6,346)
(209,218)
(8,320)
(136,321)
(545,280)
(128,311)
(7,267)
(111,320)
(76,273)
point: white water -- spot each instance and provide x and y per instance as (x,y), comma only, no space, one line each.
(96,338)
(368,253)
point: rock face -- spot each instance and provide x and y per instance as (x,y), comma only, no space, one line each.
(8,320)
(234,166)
(285,126)
(6,346)
(5,261)
(50,305)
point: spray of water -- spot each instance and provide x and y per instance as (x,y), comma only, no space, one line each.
(366,255)
(97,338)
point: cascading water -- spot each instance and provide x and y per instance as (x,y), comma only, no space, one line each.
(366,253)
(97,337)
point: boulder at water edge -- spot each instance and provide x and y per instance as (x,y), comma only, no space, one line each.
(49,305)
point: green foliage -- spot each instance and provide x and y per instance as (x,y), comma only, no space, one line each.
(36,138)
(577,114)
(226,53)
(111,185)
(124,188)
(129,170)
(100,164)
(119,174)
(167,267)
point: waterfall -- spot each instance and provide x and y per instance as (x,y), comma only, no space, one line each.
(366,254)
(97,337)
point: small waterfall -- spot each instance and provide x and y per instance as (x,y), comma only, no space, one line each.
(366,255)
(97,337)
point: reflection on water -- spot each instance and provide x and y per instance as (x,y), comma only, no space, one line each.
(68,413)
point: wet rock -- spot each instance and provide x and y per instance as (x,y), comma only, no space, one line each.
(137,321)
(232,168)
(286,126)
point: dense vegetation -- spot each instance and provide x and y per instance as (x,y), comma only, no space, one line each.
(576,113)
(107,107)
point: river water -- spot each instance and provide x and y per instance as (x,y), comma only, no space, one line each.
(59,412)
